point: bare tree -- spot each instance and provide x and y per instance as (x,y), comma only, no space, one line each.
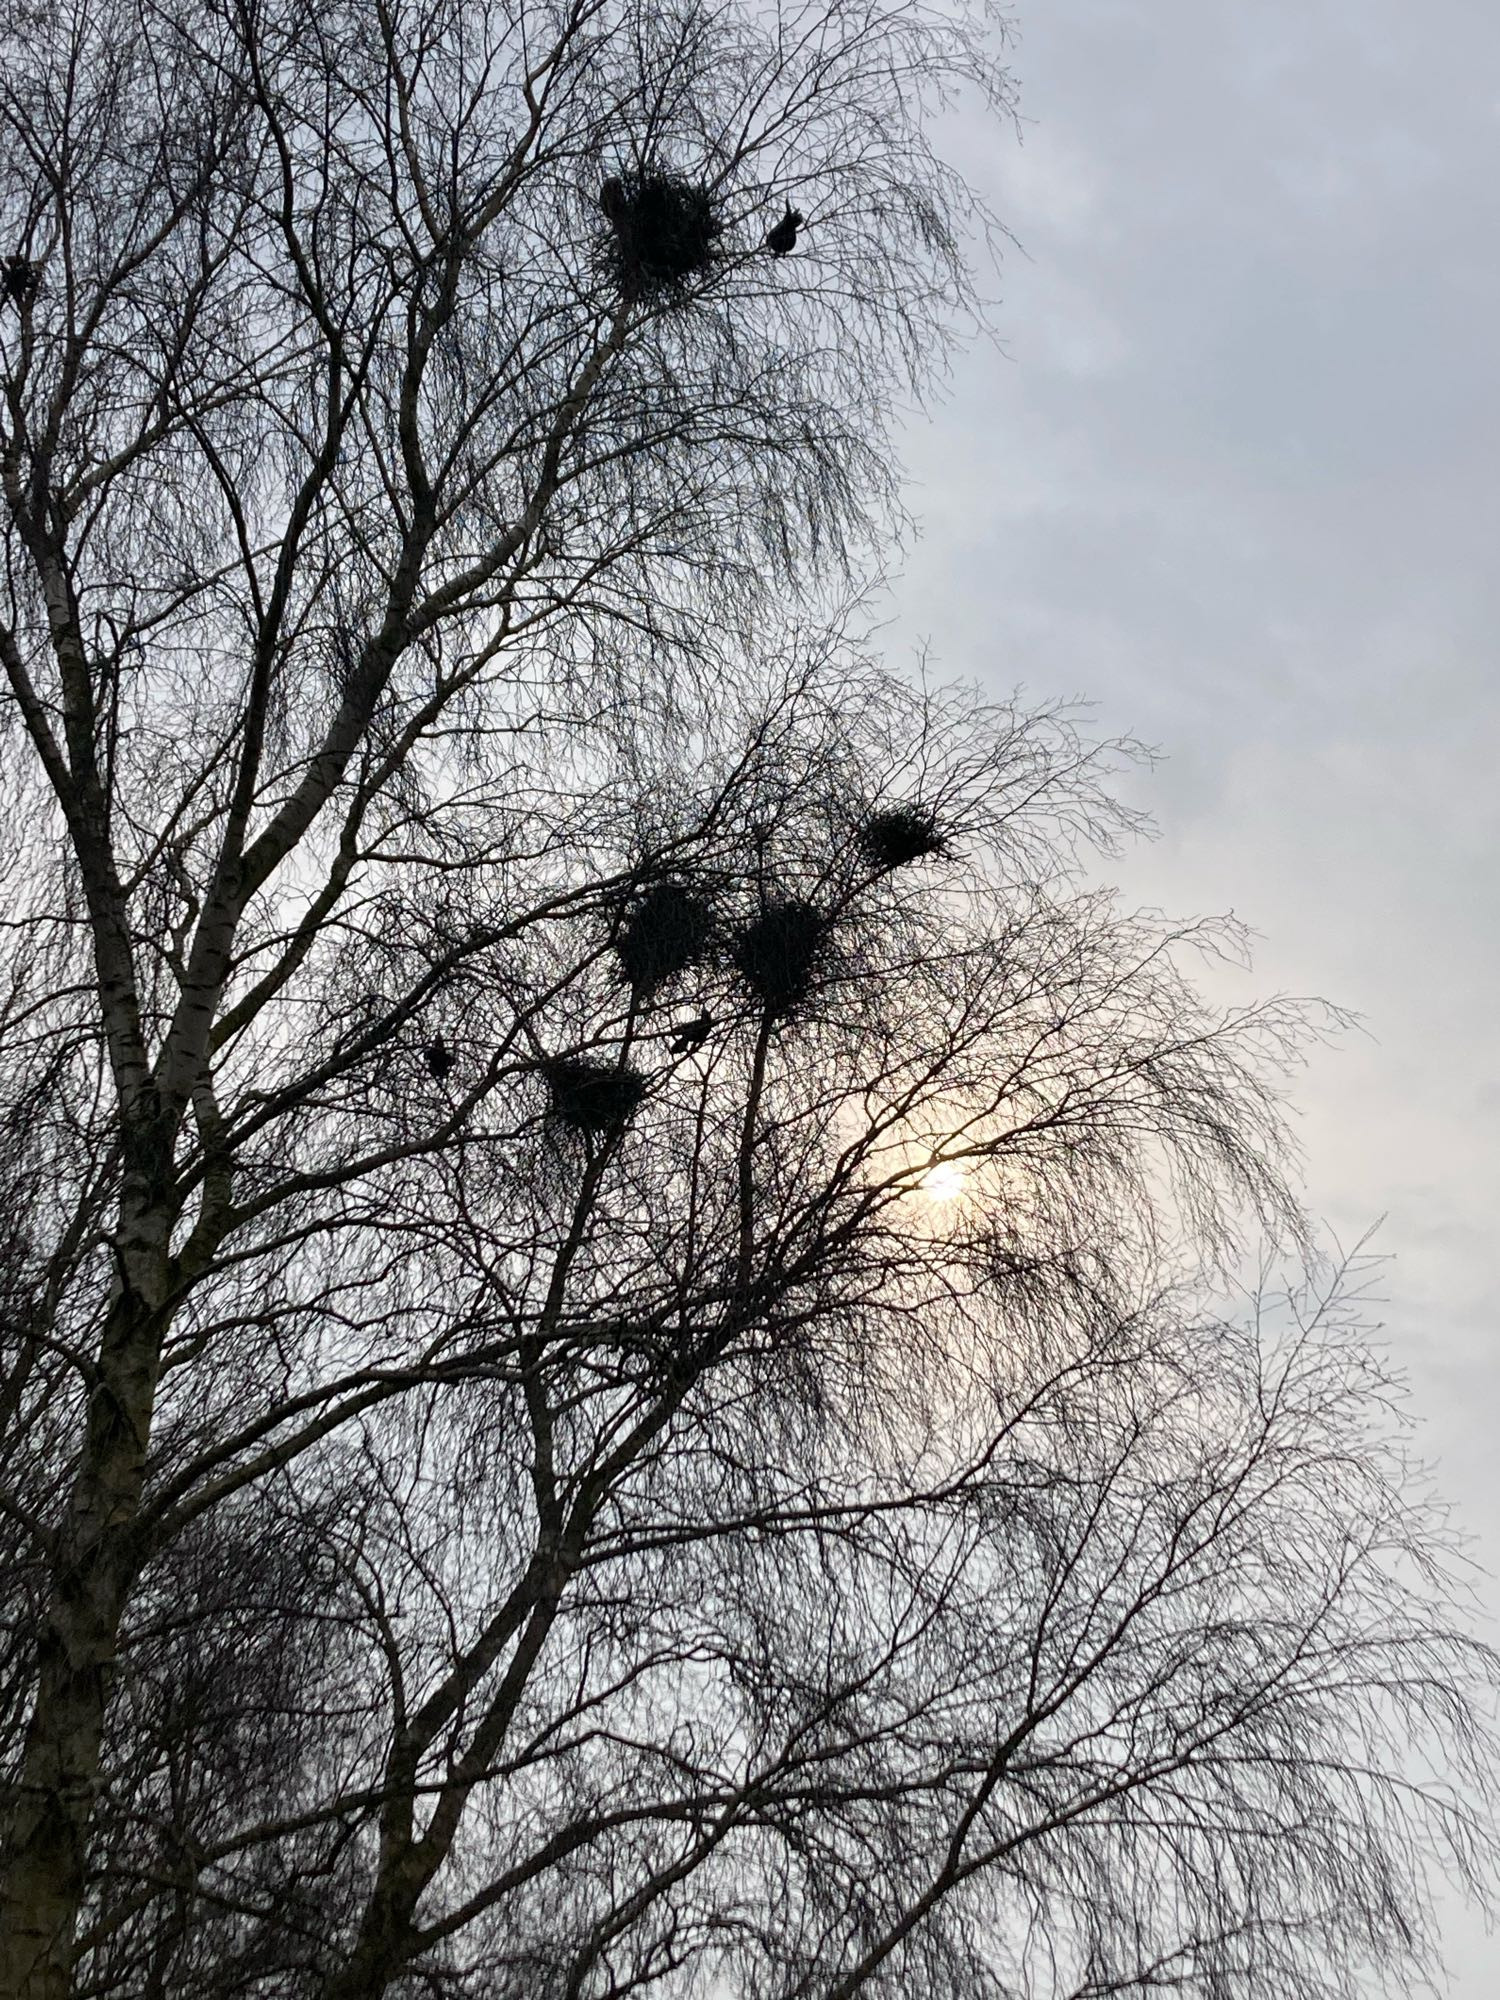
(607,1378)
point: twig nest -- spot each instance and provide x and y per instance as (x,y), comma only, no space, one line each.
(20,280)
(592,1097)
(780,954)
(666,930)
(665,231)
(899,835)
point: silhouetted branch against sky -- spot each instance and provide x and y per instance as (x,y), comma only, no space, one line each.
(612,1377)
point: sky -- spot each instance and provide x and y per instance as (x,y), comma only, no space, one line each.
(1231,477)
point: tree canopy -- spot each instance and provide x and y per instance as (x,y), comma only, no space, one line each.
(616,1369)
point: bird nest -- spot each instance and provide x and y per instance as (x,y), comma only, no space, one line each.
(592,1097)
(781,953)
(900,835)
(664,231)
(664,931)
(20,280)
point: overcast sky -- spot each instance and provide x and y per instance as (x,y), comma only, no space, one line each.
(1234,480)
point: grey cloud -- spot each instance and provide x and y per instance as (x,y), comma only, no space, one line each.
(1234,479)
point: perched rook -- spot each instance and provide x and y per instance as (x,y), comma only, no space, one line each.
(782,240)
(691,1035)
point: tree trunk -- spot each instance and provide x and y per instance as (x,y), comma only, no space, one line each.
(46,1848)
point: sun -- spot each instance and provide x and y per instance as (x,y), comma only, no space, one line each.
(945,1181)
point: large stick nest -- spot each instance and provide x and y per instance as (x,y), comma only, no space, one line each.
(664,932)
(20,280)
(592,1097)
(899,835)
(664,231)
(781,953)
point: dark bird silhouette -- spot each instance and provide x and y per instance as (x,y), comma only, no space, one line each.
(439,1057)
(613,201)
(782,240)
(691,1035)
(19,280)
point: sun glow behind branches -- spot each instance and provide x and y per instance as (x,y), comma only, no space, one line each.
(944,1181)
